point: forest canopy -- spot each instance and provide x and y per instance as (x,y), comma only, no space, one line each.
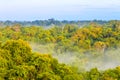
(17,62)
(20,60)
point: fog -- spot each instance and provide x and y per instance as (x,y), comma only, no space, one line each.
(87,61)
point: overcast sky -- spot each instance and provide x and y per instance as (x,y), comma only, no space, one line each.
(59,9)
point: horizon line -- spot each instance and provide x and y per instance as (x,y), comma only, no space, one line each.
(61,20)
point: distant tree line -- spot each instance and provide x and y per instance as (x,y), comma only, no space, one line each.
(50,22)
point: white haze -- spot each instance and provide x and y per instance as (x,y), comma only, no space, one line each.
(109,59)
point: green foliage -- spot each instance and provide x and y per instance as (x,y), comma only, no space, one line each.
(69,37)
(18,62)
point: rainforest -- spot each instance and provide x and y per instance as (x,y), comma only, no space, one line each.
(60,52)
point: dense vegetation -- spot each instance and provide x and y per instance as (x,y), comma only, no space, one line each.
(68,37)
(19,62)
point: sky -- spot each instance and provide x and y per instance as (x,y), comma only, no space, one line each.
(29,10)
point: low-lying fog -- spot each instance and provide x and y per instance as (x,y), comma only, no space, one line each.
(109,59)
